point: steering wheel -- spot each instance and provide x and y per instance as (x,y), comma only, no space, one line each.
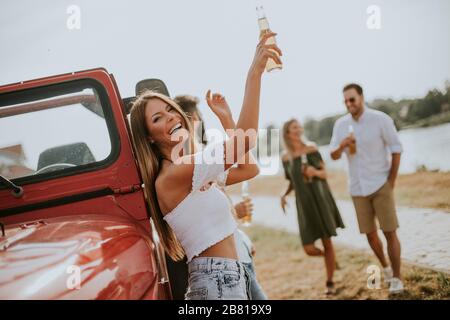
(54,167)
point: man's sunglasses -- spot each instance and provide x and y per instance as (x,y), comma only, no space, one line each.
(351,100)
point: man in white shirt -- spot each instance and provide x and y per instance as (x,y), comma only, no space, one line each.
(372,146)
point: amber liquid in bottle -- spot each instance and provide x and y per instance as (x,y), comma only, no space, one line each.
(247,220)
(263,24)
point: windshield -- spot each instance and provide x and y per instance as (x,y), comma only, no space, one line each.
(51,130)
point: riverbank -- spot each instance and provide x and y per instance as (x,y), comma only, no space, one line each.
(420,189)
(433,120)
(285,272)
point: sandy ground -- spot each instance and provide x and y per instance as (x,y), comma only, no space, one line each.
(421,189)
(285,272)
(424,233)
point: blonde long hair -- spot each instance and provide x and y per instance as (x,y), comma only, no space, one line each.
(287,140)
(149,159)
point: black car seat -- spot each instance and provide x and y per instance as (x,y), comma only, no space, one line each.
(75,154)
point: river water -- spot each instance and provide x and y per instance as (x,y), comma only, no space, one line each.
(422,147)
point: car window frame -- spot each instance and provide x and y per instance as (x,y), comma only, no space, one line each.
(7,99)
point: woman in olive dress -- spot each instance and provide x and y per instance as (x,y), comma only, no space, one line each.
(318,215)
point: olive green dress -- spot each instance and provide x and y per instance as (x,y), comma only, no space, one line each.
(318,215)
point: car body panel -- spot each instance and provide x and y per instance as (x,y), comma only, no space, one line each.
(111,256)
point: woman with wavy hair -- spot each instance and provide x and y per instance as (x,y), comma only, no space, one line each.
(318,215)
(244,245)
(191,215)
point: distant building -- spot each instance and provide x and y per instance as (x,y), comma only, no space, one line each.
(12,162)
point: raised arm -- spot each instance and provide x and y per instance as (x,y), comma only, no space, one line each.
(245,136)
(247,167)
(241,140)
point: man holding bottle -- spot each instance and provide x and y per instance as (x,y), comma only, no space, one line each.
(372,146)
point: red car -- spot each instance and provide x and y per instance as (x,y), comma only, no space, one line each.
(73,215)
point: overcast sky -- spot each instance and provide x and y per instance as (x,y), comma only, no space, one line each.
(199,44)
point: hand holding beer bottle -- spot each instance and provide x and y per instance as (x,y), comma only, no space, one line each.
(352,145)
(264,29)
(306,168)
(247,219)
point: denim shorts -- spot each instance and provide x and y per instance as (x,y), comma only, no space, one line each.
(256,291)
(217,279)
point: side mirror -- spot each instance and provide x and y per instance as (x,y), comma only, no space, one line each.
(152,84)
(156,85)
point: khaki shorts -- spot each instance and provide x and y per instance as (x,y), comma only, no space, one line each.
(379,204)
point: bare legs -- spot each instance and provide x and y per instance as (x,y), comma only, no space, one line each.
(377,247)
(312,251)
(327,253)
(330,258)
(393,246)
(394,252)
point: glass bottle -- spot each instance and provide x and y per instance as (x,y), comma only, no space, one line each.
(263,24)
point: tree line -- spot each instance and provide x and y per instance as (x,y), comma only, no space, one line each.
(433,109)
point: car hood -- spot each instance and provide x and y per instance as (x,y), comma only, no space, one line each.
(76,257)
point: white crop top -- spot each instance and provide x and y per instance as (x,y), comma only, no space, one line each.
(204,217)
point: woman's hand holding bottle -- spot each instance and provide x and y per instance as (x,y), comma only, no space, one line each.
(263,53)
(310,172)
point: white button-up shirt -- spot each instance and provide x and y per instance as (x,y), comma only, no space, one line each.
(376,139)
(243,246)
